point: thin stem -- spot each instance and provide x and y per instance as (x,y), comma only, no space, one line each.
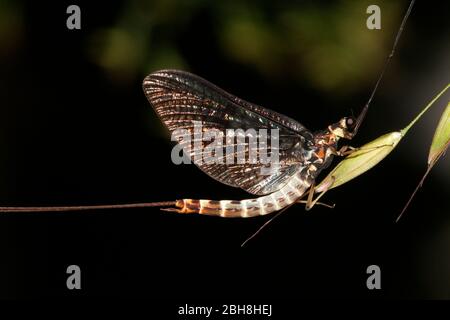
(430,166)
(413,194)
(405,130)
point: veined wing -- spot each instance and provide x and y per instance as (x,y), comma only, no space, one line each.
(180,98)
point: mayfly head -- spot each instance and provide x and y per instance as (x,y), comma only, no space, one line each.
(347,127)
(343,128)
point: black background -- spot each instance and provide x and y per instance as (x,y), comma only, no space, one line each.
(70,135)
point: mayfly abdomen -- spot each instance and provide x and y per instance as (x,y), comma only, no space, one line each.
(294,189)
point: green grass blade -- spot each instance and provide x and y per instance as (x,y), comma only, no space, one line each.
(441,137)
(425,109)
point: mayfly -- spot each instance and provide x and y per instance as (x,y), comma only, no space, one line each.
(181,99)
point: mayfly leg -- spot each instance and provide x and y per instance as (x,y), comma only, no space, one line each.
(310,202)
(330,206)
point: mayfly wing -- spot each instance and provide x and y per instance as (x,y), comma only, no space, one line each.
(180,98)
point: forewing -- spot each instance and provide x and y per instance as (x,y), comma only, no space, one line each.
(180,99)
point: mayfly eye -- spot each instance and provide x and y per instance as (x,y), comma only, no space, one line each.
(350,122)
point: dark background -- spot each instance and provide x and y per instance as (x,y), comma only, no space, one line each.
(75,128)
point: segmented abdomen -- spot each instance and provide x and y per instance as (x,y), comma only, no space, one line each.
(291,192)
